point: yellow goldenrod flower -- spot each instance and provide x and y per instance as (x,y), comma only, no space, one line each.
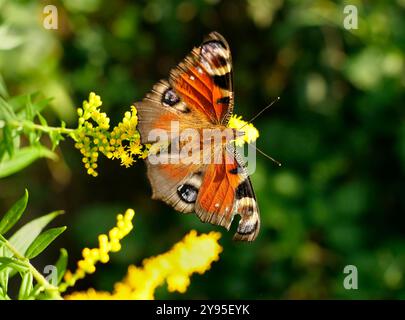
(135,148)
(250,132)
(194,254)
(93,136)
(106,244)
(125,139)
(92,125)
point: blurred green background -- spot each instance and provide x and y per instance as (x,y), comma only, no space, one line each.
(339,130)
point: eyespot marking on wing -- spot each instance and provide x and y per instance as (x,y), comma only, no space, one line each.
(187,193)
(170,98)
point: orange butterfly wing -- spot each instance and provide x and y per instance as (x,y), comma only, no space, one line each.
(199,94)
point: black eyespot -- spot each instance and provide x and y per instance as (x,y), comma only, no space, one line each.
(170,98)
(187,193)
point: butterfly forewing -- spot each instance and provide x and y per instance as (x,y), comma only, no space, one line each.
(204,79)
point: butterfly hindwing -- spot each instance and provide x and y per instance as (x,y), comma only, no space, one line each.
(216,192)
(247,208)
(178,185)
(226,190)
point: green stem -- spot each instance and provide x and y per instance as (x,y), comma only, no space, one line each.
(50,289)
(34,126)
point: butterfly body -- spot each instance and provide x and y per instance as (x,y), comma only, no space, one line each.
(193,107)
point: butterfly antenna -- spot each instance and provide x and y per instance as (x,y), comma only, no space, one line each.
(251,120)
(266,155)
(260,112)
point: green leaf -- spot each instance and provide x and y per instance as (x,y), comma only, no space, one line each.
(14,214)
(29,112)
(55,137)
(24,237)
(38,288)
(5,262)
(2,148)
(12,263)
(3,88)
(8,140)
(19,104)
(6,111)
(16,141)
(61,264)
(23,158)
(4,274)
(3,294)
(33,136)
(2,242)
(43,241)
(26,286)
(42,120)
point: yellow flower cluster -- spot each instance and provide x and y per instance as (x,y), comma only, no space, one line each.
(194,254)
(91,111)
(250,132)
(93,136)
(92,132)
(107,243)
(125,140)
